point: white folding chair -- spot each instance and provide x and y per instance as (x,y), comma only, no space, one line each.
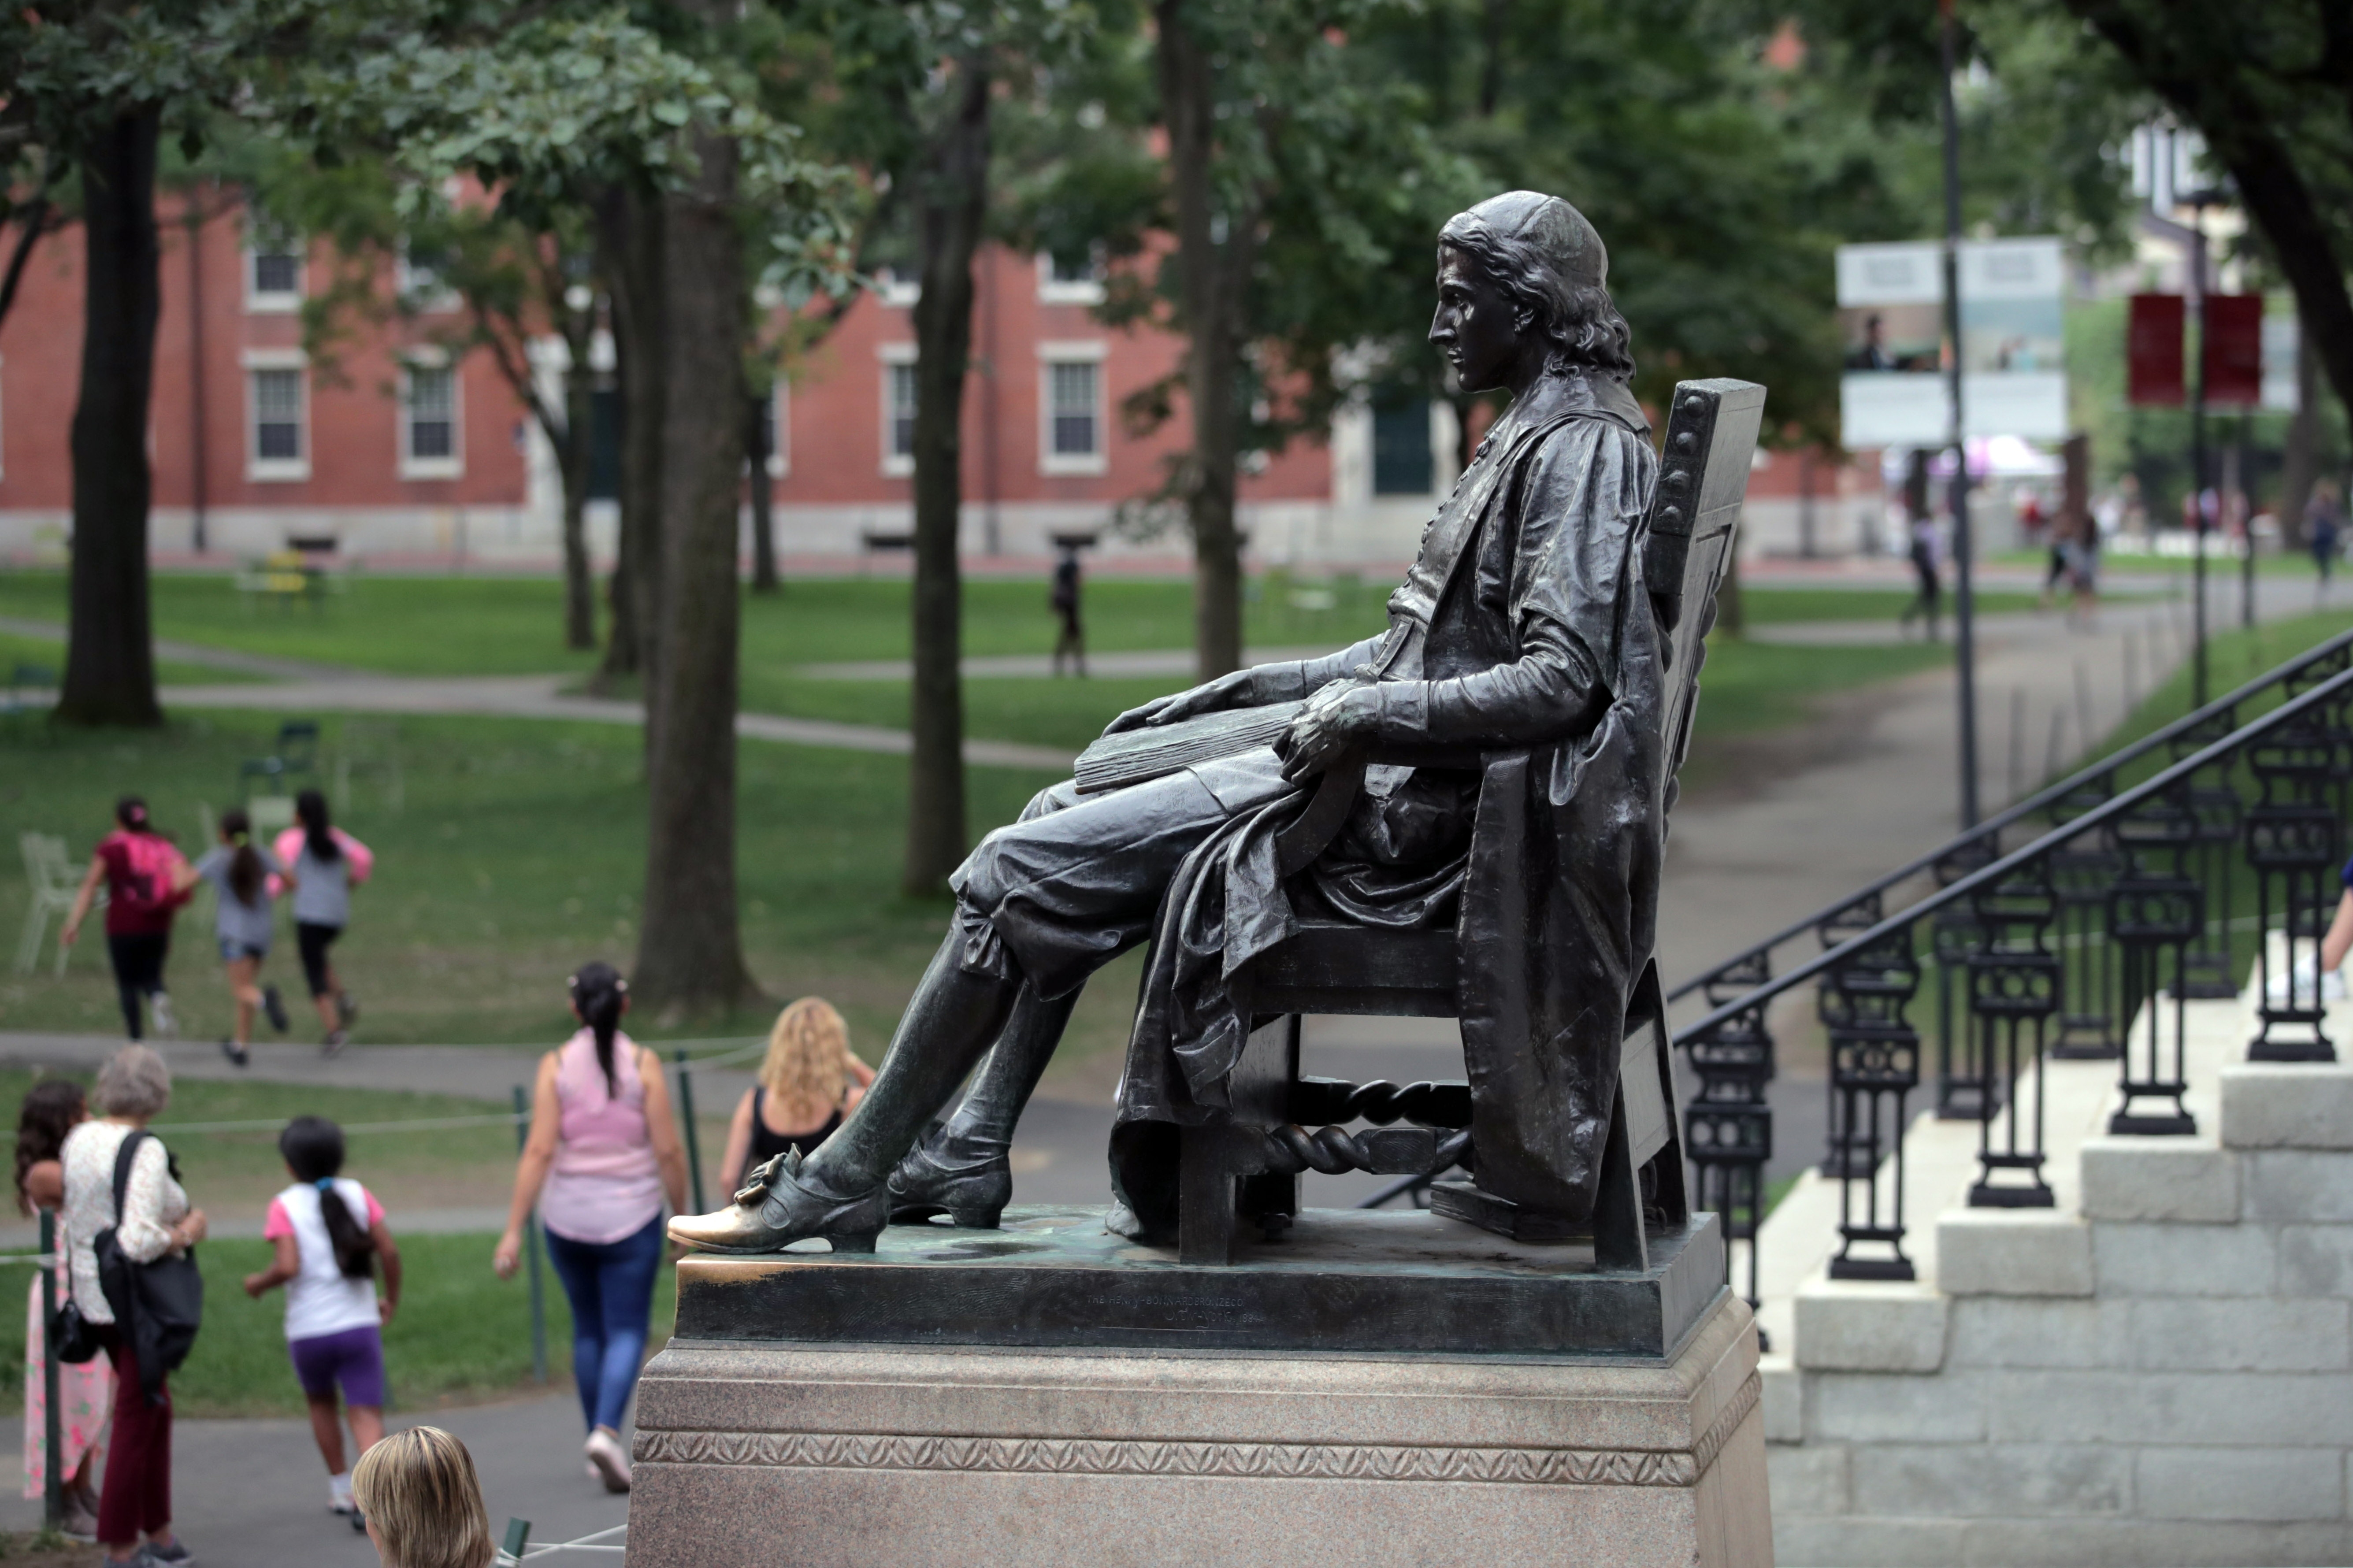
(50,871)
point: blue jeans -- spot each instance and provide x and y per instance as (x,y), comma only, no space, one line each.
(610,1285)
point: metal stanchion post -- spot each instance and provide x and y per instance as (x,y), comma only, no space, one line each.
(53,1434)
(531,1248)
(694,1143)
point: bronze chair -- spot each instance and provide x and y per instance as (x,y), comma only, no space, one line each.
(1245,1166)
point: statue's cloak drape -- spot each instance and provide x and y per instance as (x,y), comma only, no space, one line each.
(1523,644)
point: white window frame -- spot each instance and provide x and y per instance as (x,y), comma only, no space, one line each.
(895,465)
(1049,461)
(780,428)
(410,466)
(437,300)
(259,469)
(257,303)
(1053,290)
(897,292)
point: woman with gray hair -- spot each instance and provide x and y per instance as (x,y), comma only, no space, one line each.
(134,1088)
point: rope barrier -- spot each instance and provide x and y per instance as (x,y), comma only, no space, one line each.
(518,1549)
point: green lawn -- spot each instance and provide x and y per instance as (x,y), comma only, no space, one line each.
(1776,606)
(50,656)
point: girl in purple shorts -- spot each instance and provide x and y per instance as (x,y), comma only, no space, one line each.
(330,1238)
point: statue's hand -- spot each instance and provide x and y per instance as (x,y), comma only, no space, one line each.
(1229,691)
(1338,716)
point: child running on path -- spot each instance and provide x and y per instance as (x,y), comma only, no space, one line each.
(330,1237)
(241,874)
(328,863)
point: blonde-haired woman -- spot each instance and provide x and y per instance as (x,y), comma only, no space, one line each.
(808,1082)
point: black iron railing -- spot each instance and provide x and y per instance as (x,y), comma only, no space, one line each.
(2100,929)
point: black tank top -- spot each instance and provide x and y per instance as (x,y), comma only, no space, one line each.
(767,1145)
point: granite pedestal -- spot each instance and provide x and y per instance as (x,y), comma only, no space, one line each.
(1371,1386)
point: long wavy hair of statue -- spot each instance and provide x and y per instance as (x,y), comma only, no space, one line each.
(1581,321)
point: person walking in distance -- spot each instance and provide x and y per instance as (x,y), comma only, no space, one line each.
(331,1239)
(241,921)
(603,1152)
(1071,639)
(328,863)
(156,1219)
(53,1108)
(147,880)
(2323,529)
(809,1080)
(1925,552)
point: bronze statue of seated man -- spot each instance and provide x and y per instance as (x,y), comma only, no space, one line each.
(1512,707)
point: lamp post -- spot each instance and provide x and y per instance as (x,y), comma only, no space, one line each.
(2199,201)
(1964,599)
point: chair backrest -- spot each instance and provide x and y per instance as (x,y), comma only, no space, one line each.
(47,865)
(1695,513)
(297,745)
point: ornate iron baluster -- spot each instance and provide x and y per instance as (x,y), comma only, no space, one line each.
(2294,837)
(1962,1079)
(1849,921)
(1874,1066)
(2081,871)
(2015,982)
(1728,1125)
(2155,913)
(2208,972)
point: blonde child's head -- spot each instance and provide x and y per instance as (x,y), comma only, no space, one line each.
(418,1491)
(808,1055)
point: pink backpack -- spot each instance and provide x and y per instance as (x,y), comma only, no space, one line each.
(147,889)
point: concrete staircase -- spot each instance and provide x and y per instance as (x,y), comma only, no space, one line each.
(2157,1371)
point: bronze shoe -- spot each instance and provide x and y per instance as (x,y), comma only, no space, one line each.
(775,1209)
(943,1175)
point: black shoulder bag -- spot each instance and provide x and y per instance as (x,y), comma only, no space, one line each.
(158,1306)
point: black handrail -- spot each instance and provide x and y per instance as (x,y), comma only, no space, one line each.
(2040,800)
(1995,872)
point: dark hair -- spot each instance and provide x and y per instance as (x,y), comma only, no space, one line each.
(52,1108)
(130,815)
(311,810)
(313,1150)
(245,868)
(598,990)
(1585,330)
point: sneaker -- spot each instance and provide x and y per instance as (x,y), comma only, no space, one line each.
(236,1053)
(347,1008)
(175,1556)
(167,1026)
(275,1006)
(612,1466)
(339,1495)
(336,1040)
(359,1522)
(81,1523)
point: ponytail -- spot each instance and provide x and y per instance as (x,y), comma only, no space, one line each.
(313,1147)
(599,994)
(311,810)
(245,868)
(130,815)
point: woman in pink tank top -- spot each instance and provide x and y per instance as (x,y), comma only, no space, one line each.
(603,1152)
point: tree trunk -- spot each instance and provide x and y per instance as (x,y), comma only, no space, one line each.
(574,456)
(757,448)
(630,224)
(690,950)
(111,650)
(2300,465)
(1211,277)
(950,205)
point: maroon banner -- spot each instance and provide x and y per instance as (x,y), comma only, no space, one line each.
(2153,352)
(2233,350)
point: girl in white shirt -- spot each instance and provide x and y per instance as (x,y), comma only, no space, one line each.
(330,1238)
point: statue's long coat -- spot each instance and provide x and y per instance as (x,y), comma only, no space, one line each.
(1523,637)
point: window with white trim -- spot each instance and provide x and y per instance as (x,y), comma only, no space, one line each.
(420,284)
(278,439)
(1070,409)
(273,274)
(1070,281)
(428,422)
(899,409)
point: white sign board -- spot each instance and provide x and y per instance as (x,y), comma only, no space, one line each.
(1894,392)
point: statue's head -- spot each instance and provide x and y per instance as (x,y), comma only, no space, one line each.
(1523,281)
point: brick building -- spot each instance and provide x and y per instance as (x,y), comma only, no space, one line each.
(397,456)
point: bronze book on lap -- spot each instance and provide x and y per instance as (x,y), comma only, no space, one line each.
(1138,756)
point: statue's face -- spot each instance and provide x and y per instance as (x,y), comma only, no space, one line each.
(1477,326)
